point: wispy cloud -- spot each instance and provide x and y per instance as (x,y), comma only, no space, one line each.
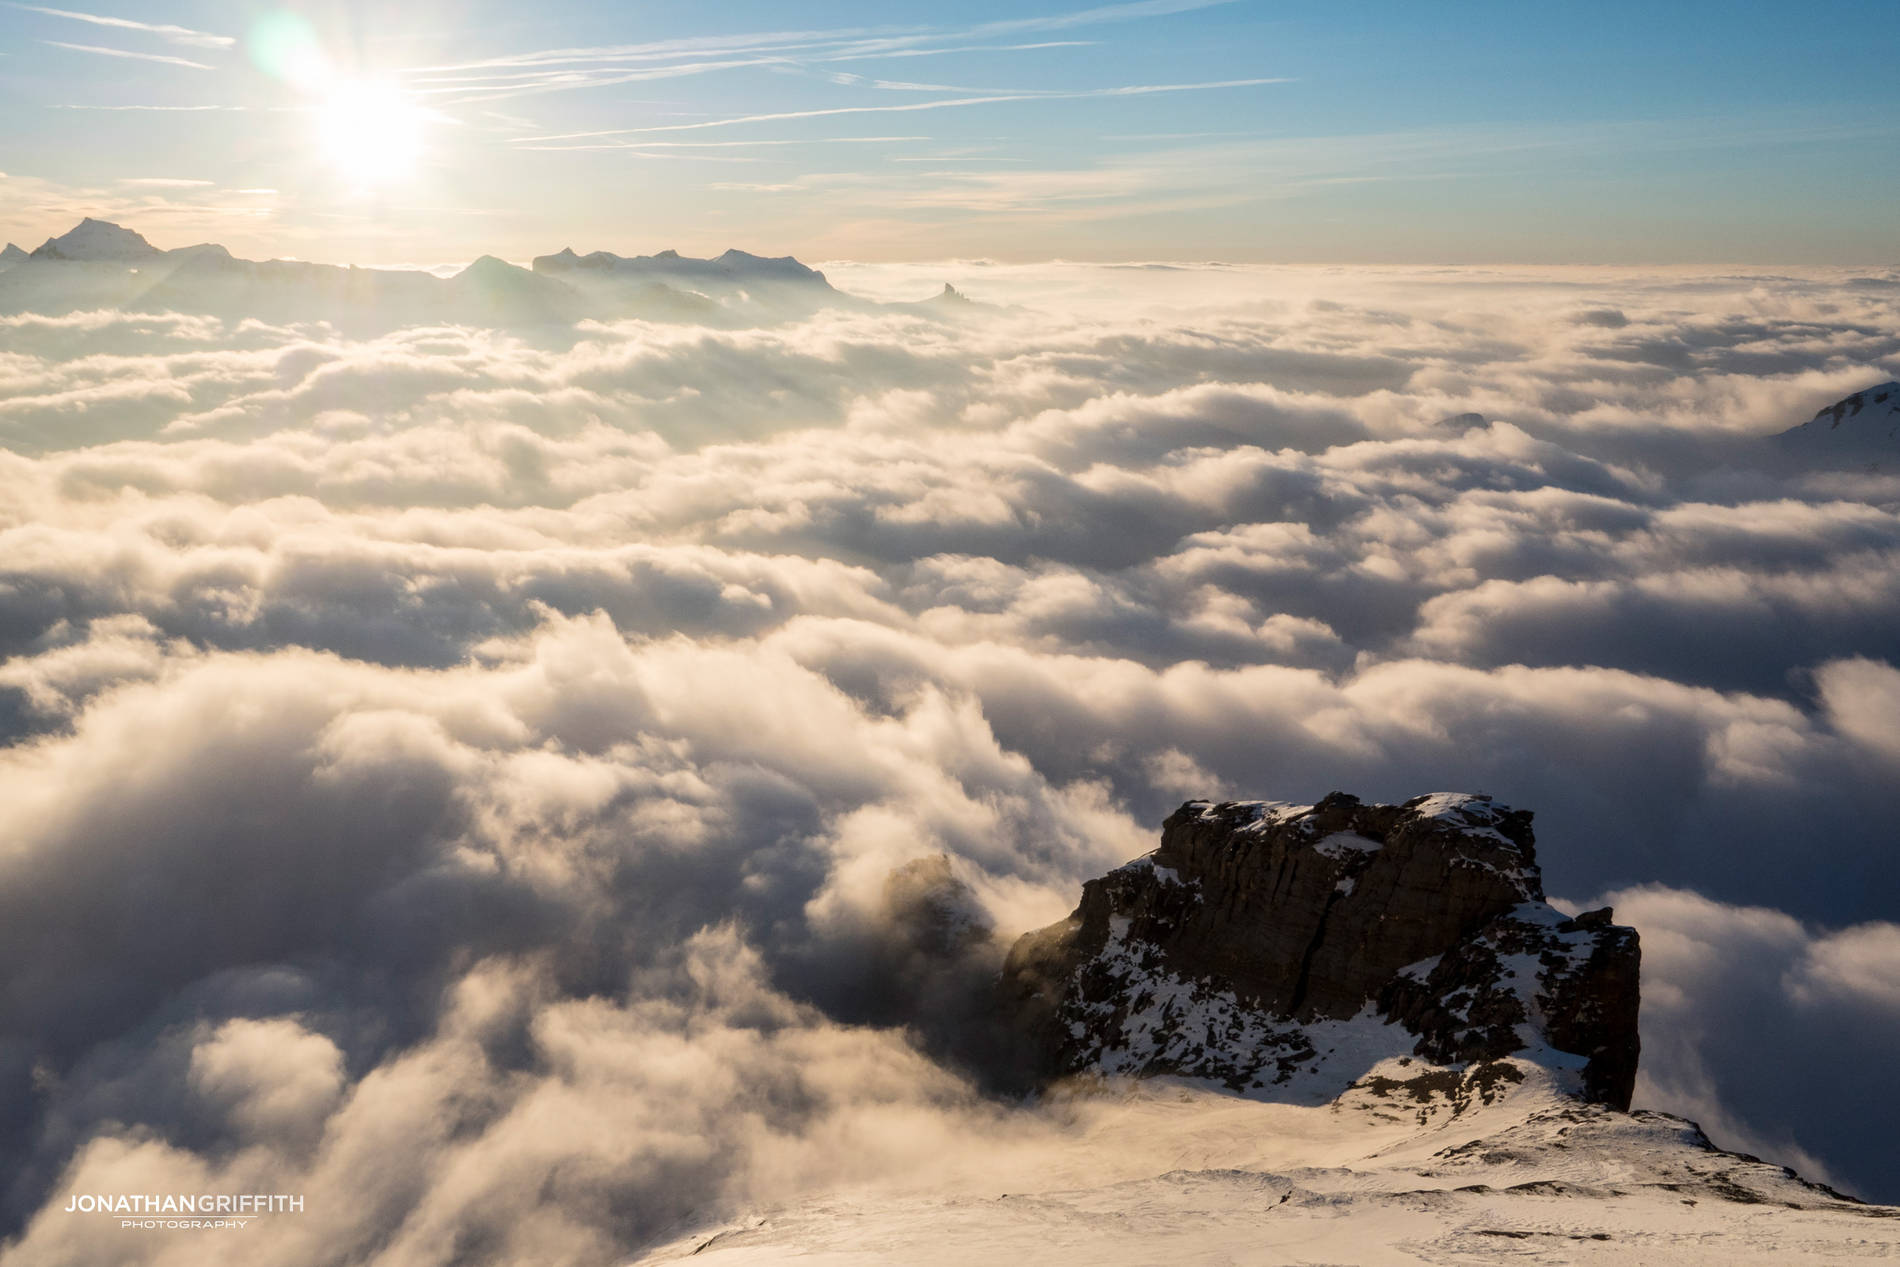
(187,109)
(120,52)
(964,48)
(570,69)
(845,79)
(466,90)
(698,46)
(1131,90)
(176,34)
(166,182)
(1101,14)
(750,143)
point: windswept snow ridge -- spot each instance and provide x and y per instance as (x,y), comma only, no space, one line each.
(1414,1164)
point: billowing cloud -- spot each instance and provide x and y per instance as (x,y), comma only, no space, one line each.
(1753,1023)
(540,785)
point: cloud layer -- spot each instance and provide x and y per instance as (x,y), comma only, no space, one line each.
(459,773)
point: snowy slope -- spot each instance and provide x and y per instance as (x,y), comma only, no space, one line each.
(1396,1171)
(1861,428)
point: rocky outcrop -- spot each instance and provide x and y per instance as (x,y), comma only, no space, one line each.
(1268,946)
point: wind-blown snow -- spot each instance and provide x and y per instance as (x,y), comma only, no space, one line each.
(1393,1173)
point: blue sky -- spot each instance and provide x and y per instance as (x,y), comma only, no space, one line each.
(1351,132)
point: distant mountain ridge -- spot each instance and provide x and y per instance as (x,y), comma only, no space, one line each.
(98,264)
(734,266)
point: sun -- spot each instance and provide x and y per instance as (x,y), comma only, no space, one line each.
(371,132)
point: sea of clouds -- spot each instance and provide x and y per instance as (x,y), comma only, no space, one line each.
(457,775)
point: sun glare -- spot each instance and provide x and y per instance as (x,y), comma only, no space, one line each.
(371,132)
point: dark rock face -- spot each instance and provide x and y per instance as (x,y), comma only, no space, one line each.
(1267,945)
(1467,1006)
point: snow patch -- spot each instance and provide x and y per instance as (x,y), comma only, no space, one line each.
(1344,844)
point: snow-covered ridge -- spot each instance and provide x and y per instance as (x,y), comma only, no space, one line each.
(1413,1165)
(1861,428)
(1868,401)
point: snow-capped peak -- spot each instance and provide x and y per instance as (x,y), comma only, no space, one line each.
(1880,403)
(94,239)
